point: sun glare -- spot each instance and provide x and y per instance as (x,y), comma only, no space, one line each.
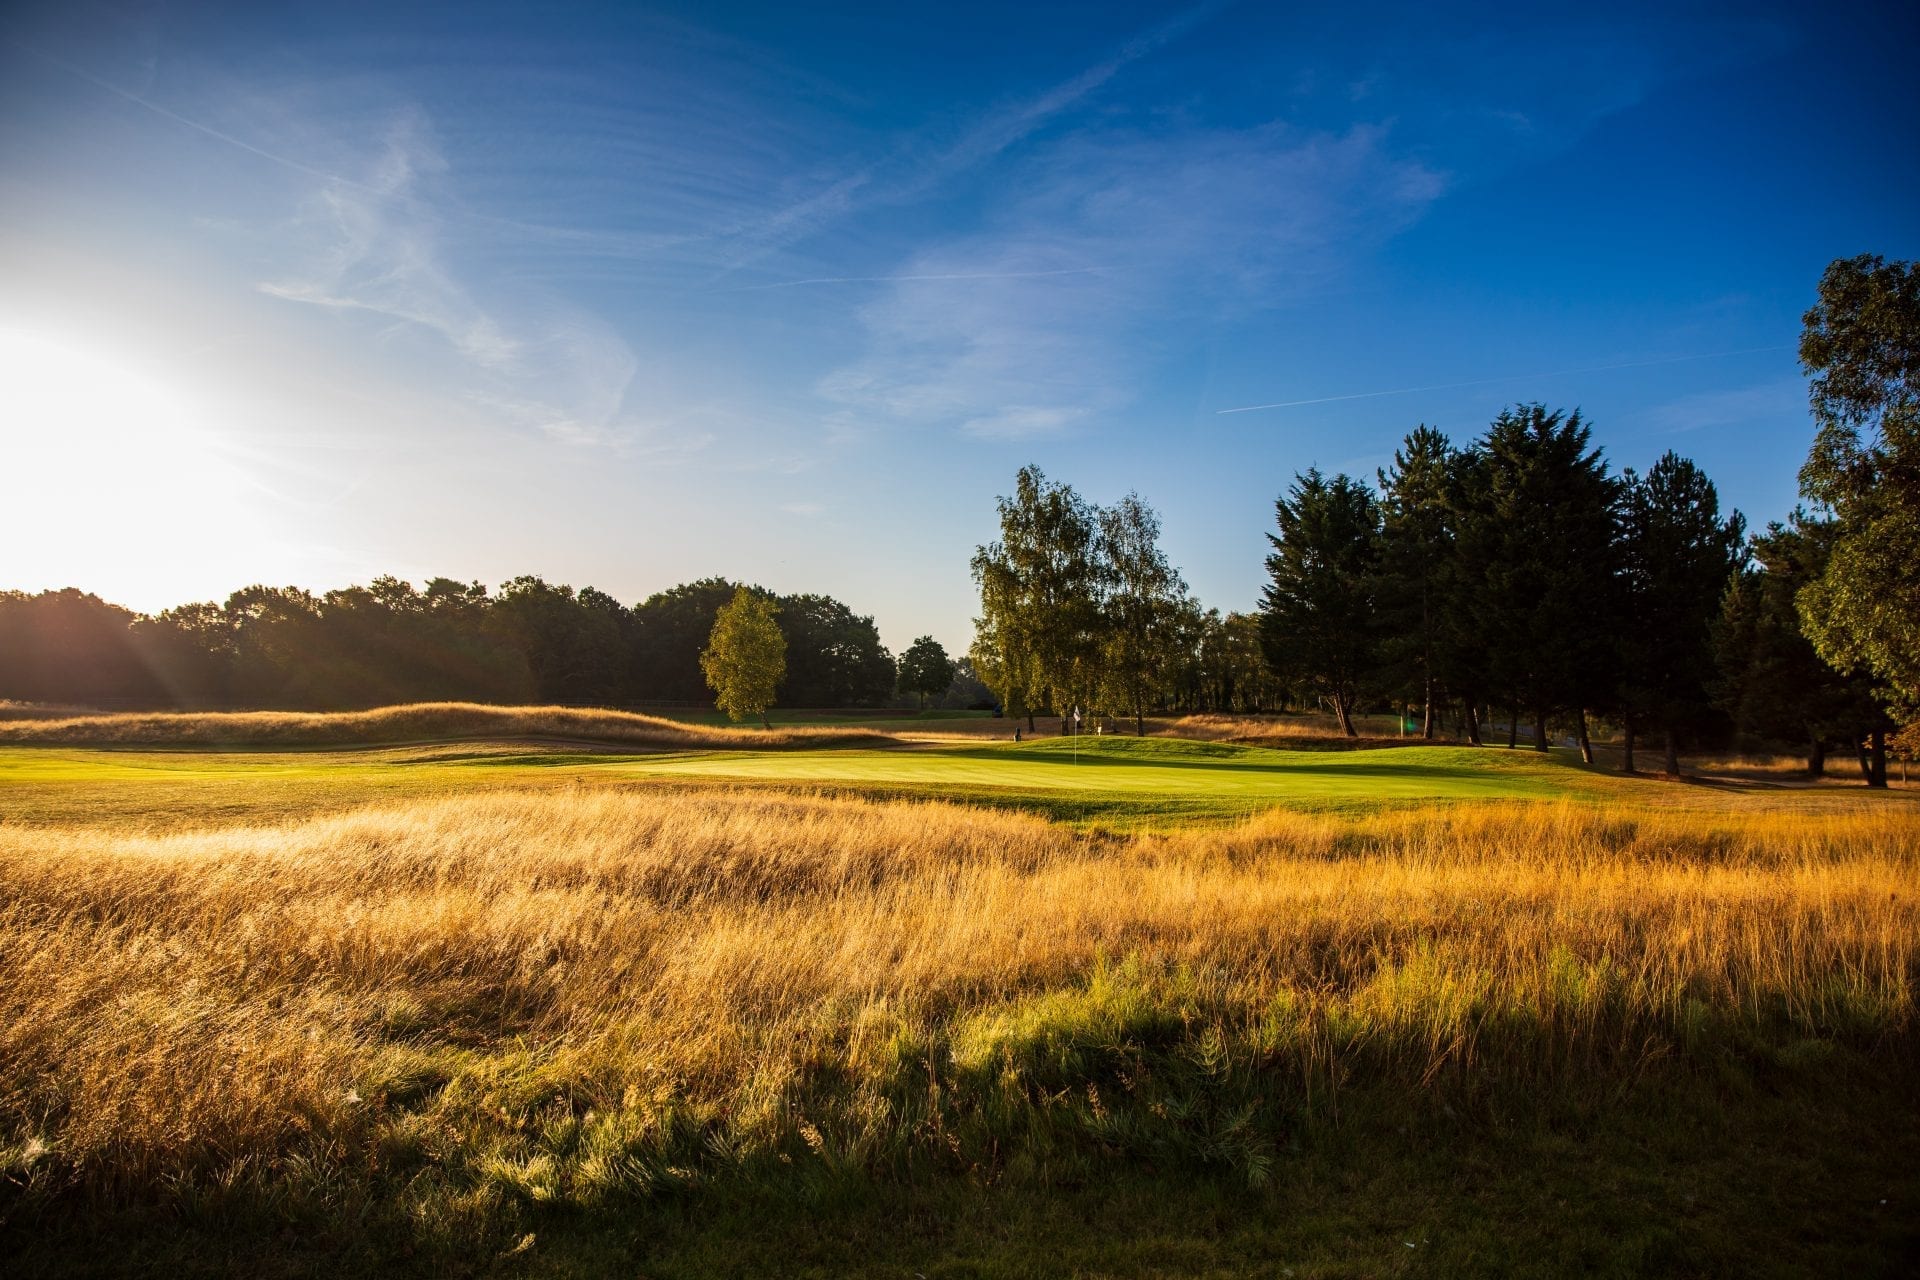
(116,481)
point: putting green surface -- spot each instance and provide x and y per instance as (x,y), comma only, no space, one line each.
(1147,770)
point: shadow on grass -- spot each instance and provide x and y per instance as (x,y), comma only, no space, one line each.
(1701,1175)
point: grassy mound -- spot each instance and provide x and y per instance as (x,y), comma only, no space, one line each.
(415,722)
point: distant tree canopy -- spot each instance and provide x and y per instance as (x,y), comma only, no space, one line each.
(533,641)
(925,670)
(834,657)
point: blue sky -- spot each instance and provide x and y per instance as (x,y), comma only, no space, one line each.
(630,295)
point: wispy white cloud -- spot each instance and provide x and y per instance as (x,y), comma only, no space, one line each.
(934,156)
(1010,333)
(374,246)
(998,129)
(1770,401)
(1023,422)
(378,246)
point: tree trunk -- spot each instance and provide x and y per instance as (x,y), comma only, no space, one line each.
(1513,727)
(1139,719)
(1627,765)
(1539,731)
(1345,714)
(764,722)
(1816,758)
(1472,717)
(1029,722)
(1586,743)
(1427,727)
(1673,753)
(1877,774)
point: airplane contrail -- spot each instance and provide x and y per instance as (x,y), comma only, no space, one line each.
(177,118)
(949,275)
(1512,377)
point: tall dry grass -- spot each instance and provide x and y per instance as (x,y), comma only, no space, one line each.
(1300,729)
(412,722)
(565,997)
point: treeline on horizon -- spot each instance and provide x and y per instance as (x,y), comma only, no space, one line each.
(285,648)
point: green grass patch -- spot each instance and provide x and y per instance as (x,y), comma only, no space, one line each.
(1105,780)
(1115,780)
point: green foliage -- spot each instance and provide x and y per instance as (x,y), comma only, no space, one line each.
(389,643)
(1417,566)
(1145,598)
(1537,548)
(1861,344)
(834,656)
(1771,679)
(572,644)
(672,628)
(1677,557)
(1318,625)
(1038,630)
(746,656)
(925,669)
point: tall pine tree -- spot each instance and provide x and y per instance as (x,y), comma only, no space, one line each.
(1416,567)
(1677,557)
(1543,556)
(1317,625)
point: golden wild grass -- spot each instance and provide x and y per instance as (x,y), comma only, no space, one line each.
(1311,729)
(573,997)
(412,722)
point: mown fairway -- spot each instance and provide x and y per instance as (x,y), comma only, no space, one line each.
(520,1009)
(1114,779)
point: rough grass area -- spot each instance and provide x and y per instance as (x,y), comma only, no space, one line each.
(579,1030)
(415,722)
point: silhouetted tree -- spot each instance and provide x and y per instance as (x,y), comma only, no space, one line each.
(1772,681)
(1677,557)
(1319,629)
(925,669)
(1417,559)
(672,628)
(572,645)
(1543,556)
